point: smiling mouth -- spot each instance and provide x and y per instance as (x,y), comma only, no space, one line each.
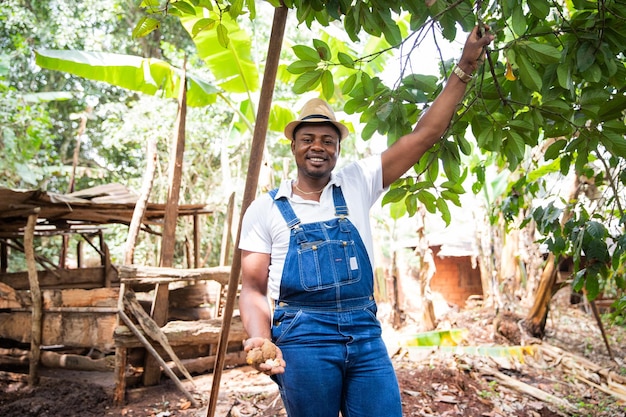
(316,159)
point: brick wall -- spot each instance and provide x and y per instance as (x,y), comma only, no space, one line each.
(456,279)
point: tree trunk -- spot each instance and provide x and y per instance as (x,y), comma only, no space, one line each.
(538,314)
(426,272)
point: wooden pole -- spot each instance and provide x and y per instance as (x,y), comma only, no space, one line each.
(254,167)
(160,304)
(35,294)
(121,353)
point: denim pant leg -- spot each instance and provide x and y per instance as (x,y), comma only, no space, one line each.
(314,354)
(371,386)
(335,360)
(312,383)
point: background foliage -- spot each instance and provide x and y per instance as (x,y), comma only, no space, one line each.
(546,106)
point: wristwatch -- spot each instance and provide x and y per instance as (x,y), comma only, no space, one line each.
(465,77)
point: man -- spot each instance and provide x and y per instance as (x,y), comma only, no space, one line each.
(307,246)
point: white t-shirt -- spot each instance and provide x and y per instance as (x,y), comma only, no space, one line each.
(264,229)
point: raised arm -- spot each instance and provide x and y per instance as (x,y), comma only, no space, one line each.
(407,150)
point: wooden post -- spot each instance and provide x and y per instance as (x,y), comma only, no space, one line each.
(4,257)
(160,304)
(225,250)
(254,167)
(133,230)
(35,294)
(196,241)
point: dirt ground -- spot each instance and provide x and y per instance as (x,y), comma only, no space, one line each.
(433,382)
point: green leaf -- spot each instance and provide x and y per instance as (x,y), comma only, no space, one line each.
(554,150)
(596,230)
(411,204)
(564,75)
(146,75)
(370,128)
(233,68)
(236,7)
(428,200)
(345,60)
(322,49)
(306,53)
(394,195)
(585,56)
(539,8)
(518,21)
(328,85)
(614,143)
(184,7)
(348,85)
(442,206)
(145,26)
(517,143)
(579,280)
(464,145)
(391,30)
(542,53)
(307,82)
(300,67)
(222,35)
(449,195)
(592,287)
(397,210)
(202,24)
(528,74)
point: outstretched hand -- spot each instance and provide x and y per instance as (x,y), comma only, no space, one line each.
(264,356)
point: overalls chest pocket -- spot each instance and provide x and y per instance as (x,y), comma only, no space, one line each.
(327,255)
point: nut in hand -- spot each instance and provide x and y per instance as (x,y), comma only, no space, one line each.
(265,354)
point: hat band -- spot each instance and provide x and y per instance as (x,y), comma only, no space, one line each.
(316,116)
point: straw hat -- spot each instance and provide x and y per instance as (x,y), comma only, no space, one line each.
(316,111)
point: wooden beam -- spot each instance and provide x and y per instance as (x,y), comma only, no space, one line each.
(87,328)
(160,304)
(180,333)
(252,179)
(62,278)
(37,314)
(130,274)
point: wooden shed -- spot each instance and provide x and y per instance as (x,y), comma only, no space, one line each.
(81,307)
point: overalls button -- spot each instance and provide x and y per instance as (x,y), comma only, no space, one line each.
(344,243)
(314,247)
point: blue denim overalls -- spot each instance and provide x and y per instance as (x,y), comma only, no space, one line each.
(325,323)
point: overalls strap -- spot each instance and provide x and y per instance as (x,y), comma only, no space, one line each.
(341,208)
(285,209)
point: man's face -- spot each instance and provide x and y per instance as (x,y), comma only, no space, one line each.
(316,149)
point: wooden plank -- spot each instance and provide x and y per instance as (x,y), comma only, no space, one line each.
(95,299)
(76,362)
(69,329)
(186,333)
(61,278)
(9,297)
(156,275)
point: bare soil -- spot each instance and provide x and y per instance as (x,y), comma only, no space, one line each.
(433,382)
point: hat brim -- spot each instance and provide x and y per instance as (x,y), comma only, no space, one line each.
(291,126)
